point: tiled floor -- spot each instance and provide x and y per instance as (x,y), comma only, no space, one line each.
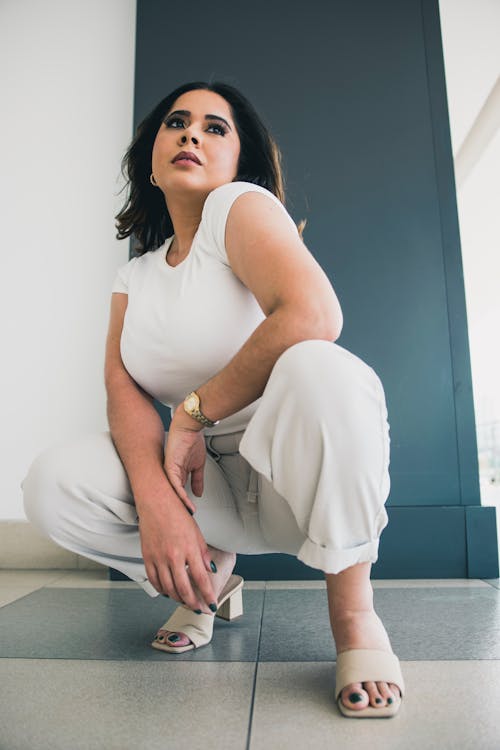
(77,671)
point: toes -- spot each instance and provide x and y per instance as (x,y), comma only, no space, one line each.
(395,690)
(389,692)
(172,638)
(376,694)
(376,698)
(385,692)
(353,696)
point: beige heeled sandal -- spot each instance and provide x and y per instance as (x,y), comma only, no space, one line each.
(367,665)
(199,628)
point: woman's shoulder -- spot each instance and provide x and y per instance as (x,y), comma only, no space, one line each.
(226,193)
(135,265)
(216,210)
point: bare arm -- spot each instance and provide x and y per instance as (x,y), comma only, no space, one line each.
(136,427)
(268,256)
(170,537)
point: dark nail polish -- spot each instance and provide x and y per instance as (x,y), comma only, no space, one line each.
(389,700)
(198,611)
(213,566)
(173,638)
(378,700)
(355,697)
(213,607)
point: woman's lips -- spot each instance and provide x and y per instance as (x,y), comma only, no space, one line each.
(185,162)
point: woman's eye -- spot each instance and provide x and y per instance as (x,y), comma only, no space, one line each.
(218,128)
(172,120)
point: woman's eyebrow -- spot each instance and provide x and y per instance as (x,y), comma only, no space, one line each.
(207,117)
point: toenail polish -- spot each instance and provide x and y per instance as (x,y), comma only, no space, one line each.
(173,638)
(213,607)
(355,697)
(389,700)
(198,611)
(378,700)
(213,566)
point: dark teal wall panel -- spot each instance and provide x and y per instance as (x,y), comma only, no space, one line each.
(354,92)
(445,180)
(482,547)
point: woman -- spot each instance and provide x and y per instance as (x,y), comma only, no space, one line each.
(225,316)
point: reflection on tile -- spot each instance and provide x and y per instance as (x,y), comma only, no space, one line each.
(127,705)
(91,579)
(14,584)
(294,707)
(428,583)
(57,623)
(403,583)
(493,582)
(9,594)
(441,623)
(255,585)
(277,585)
(33,578)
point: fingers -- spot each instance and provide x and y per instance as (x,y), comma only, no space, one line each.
(181,492)
(197,482)
(200,579)
(165,585)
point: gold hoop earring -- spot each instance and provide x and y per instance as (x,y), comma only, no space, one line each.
(152,180)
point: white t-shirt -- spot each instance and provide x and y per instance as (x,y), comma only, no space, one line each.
(184,324)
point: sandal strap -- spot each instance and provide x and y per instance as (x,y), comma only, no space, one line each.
(367,665)
(198,628)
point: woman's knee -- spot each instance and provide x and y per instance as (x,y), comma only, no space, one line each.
(321,371)
(41,490)
(60,475)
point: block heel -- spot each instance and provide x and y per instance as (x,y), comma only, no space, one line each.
(232,607)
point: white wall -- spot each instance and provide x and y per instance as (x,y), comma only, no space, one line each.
(470,32)
(67,70)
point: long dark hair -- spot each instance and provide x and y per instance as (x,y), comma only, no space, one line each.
(145,215)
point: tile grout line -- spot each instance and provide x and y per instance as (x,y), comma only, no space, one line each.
(254,686)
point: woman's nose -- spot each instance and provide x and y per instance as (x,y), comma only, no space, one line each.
(185,138)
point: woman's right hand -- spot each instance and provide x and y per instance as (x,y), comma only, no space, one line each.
(170,540)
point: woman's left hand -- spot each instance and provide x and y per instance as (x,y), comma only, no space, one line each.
(185,454)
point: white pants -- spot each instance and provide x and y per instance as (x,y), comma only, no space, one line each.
(309,476)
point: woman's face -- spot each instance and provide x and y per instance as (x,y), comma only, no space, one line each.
(204,118)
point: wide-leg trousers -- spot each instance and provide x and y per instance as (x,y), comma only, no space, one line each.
(308,476)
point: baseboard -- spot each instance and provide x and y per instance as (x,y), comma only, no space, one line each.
(23,547)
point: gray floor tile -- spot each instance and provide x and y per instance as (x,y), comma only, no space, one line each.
(54,623)
(453,623)
(294,708)
(493,582)
(9,594)
(30,578)
(101,705)
(429,583)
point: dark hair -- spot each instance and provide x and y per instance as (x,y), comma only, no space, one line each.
(145,215)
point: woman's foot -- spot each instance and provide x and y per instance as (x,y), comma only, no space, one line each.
(355,624)
(224,562)
(363,629)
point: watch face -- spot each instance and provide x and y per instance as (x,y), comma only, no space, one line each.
(191,402)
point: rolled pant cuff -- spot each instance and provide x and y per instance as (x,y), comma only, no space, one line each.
(335,560)
(148,588)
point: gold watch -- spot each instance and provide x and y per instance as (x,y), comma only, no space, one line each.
(192,407)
